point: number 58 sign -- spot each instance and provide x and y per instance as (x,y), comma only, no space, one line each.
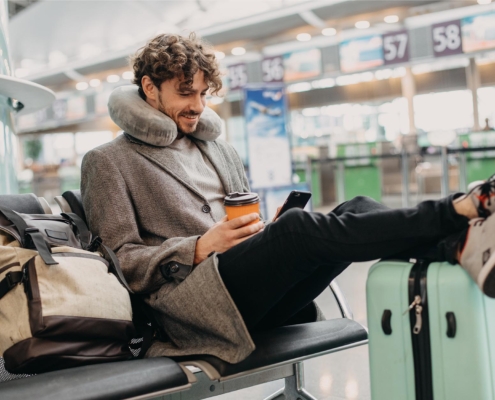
(447,38)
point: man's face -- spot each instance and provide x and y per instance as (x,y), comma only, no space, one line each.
(183,105)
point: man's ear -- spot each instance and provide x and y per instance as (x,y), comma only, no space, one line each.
(149,89)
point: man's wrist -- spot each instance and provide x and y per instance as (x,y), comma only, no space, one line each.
(200,253)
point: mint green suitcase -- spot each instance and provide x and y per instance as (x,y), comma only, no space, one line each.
(440,348)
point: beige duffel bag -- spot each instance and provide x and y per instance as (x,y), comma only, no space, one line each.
(60,305)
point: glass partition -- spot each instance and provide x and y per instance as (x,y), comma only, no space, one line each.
(8,146)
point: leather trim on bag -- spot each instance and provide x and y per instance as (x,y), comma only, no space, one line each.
(34,302)
(14,264)
(10,230)
(82,255)
(58,235)
(36,355)
(71,328)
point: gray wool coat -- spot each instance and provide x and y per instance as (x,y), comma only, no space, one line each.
(139,200)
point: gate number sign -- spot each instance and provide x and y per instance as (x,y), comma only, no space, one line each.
(237,76)
(273,69)
(396,47)
(447,38)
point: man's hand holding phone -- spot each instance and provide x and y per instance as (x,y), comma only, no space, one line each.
(297,199)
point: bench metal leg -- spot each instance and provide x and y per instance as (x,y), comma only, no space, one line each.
(278,395)
(294,387)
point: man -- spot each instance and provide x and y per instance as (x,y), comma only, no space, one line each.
(155,196)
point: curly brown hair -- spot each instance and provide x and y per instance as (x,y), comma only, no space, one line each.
(168,56)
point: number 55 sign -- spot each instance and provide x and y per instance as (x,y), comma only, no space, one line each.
(447,38)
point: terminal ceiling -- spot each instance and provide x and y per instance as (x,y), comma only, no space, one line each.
(57,41)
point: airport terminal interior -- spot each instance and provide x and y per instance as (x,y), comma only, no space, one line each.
(394,100)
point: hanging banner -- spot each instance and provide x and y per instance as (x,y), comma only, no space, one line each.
(265,111)
(302,64)
(478,32)
(361,53)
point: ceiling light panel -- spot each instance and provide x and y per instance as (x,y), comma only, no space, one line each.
(362,24)
(329,32)
(238,51)
(391,19)
(303,37)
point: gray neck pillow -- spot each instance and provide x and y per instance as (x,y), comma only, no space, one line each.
(137,118)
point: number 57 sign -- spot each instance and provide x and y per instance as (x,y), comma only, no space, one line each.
(395,47)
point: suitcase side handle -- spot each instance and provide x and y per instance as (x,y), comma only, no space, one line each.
(386,322)
(451,324)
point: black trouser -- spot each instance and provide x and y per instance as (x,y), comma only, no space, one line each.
(279,271)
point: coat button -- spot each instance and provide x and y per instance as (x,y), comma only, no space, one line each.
(206,208)
(174,268)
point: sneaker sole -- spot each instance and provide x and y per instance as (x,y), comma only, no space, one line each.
(486,278)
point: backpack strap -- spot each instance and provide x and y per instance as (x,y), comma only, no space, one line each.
(8,283)
(40,245)
(29,236)
(82,228)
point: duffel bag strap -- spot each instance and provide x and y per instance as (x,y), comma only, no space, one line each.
(17,220)
(8,283)
(115,266)
(32,233)
(82,229)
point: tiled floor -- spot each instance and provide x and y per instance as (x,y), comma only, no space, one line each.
(338,376)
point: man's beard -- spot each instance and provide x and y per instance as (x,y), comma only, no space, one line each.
(161,108)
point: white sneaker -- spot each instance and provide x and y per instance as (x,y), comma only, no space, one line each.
(478,254)
(482,194)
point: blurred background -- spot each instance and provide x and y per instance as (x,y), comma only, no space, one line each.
(390,99)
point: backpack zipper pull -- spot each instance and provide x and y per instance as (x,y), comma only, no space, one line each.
(419,320)
(417,300)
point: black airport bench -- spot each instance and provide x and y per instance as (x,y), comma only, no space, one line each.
(279,354)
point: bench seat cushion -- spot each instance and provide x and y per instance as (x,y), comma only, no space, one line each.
(118,380)
(292,342)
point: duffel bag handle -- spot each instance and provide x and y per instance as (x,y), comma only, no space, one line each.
(117,271)
(33,234)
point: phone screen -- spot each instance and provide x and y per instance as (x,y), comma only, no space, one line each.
(297,199)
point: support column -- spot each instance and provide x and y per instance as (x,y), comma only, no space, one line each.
(225,112)
(408,92)
(473,83)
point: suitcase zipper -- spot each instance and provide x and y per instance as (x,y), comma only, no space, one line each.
(420,332)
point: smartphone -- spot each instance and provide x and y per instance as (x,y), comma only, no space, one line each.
(297,199)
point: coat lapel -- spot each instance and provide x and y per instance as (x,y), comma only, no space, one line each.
(213,153)
(167,160)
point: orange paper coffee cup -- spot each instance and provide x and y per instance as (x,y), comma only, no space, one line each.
(239,204)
